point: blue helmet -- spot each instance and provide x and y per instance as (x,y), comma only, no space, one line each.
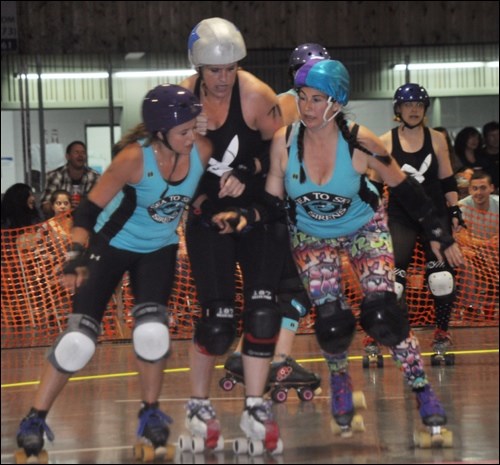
(328,76)
(411,93)
(304,53)
(167,106)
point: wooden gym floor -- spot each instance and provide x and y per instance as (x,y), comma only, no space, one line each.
(95,418)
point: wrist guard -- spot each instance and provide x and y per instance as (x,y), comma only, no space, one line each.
(247,213)
(244,172)
(75,258)
(455,212)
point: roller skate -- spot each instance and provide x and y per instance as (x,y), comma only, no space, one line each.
(30,439)
(234,372)
(203,426)
(289,374)
(373,353)
(344,403)
(434,418)
(261,430)
(152,435)
(440,344)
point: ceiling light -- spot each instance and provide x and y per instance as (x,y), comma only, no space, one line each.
(458,65)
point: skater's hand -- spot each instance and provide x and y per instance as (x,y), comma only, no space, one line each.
(452,253)
(75,269)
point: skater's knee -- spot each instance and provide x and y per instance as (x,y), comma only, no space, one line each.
(76,345)
(216,329)
(150,336)
(441,284)
(383,319)
(334,327)
(293,300)
(261,326)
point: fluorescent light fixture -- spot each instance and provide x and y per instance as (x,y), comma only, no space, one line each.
(160,73)
(118,74)
(458,65)
(134,55)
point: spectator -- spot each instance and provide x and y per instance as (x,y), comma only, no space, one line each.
(75,177)
(489,152)
(467,146)
(455,162)
(19,207)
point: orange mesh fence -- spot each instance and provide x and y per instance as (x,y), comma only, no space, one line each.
(35,306)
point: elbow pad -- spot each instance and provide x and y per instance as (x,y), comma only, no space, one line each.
(449,184)
(85,216)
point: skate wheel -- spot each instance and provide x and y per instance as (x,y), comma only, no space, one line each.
(435,361)
(20,456)
(240,446)
(184,443)
(422,439)
(305,394)
(318,391)
(447,438)
(359,400)
(147,453)
(449,359)
(279,395)
(357,423)
(255,448)
(226,383)
(169,453)
(380,361)
(197,445)
(366,361)
(220,444)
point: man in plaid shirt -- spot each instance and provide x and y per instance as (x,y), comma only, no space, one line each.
(75,177)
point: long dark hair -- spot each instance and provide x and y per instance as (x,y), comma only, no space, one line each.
(15,210)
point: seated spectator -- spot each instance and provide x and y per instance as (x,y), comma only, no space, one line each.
(467,145)
(489,152)
(75,177)
(61,220)
(19,207)
(463,178)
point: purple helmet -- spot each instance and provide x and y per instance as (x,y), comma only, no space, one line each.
(167,106)
(304,53)
(411,93)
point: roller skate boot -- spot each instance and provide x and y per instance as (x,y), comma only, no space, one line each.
(373,353)
(289,374)
(234,372)
(440,345)
(261,430)
(203,427)
(344,403)
(30,439)
(152,435)
(434,418)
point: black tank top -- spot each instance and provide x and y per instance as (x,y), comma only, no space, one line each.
(423,167)
(234,143)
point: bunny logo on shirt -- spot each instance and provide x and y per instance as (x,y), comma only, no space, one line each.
(418,175)
(220,167)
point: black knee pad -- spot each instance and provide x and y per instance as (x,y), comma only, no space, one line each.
(216,329)
(261,326)
(383,319)
(335,326)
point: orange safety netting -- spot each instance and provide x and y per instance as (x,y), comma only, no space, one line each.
(35,306)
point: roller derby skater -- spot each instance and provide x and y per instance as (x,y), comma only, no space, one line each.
(262,433)
(441,343)
(144,243)
(153,433)
(30,436)
(203,427)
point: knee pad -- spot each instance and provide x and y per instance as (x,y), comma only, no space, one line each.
(293,300)
(261,325)
(334,327)
(441,285)
(383,319)
(216,329)
(150,336)
(76,345)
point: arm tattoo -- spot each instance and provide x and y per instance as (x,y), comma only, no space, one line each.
(275,111)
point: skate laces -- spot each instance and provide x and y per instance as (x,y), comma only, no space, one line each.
(341,387)
(35,424)
(261,412)
(201,409)
(441,336)
(154,419)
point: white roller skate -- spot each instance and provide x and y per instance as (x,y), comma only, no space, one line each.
(261,430)
(203,426)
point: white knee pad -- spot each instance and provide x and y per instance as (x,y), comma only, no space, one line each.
(150,337)
(76,346)
(441,283)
